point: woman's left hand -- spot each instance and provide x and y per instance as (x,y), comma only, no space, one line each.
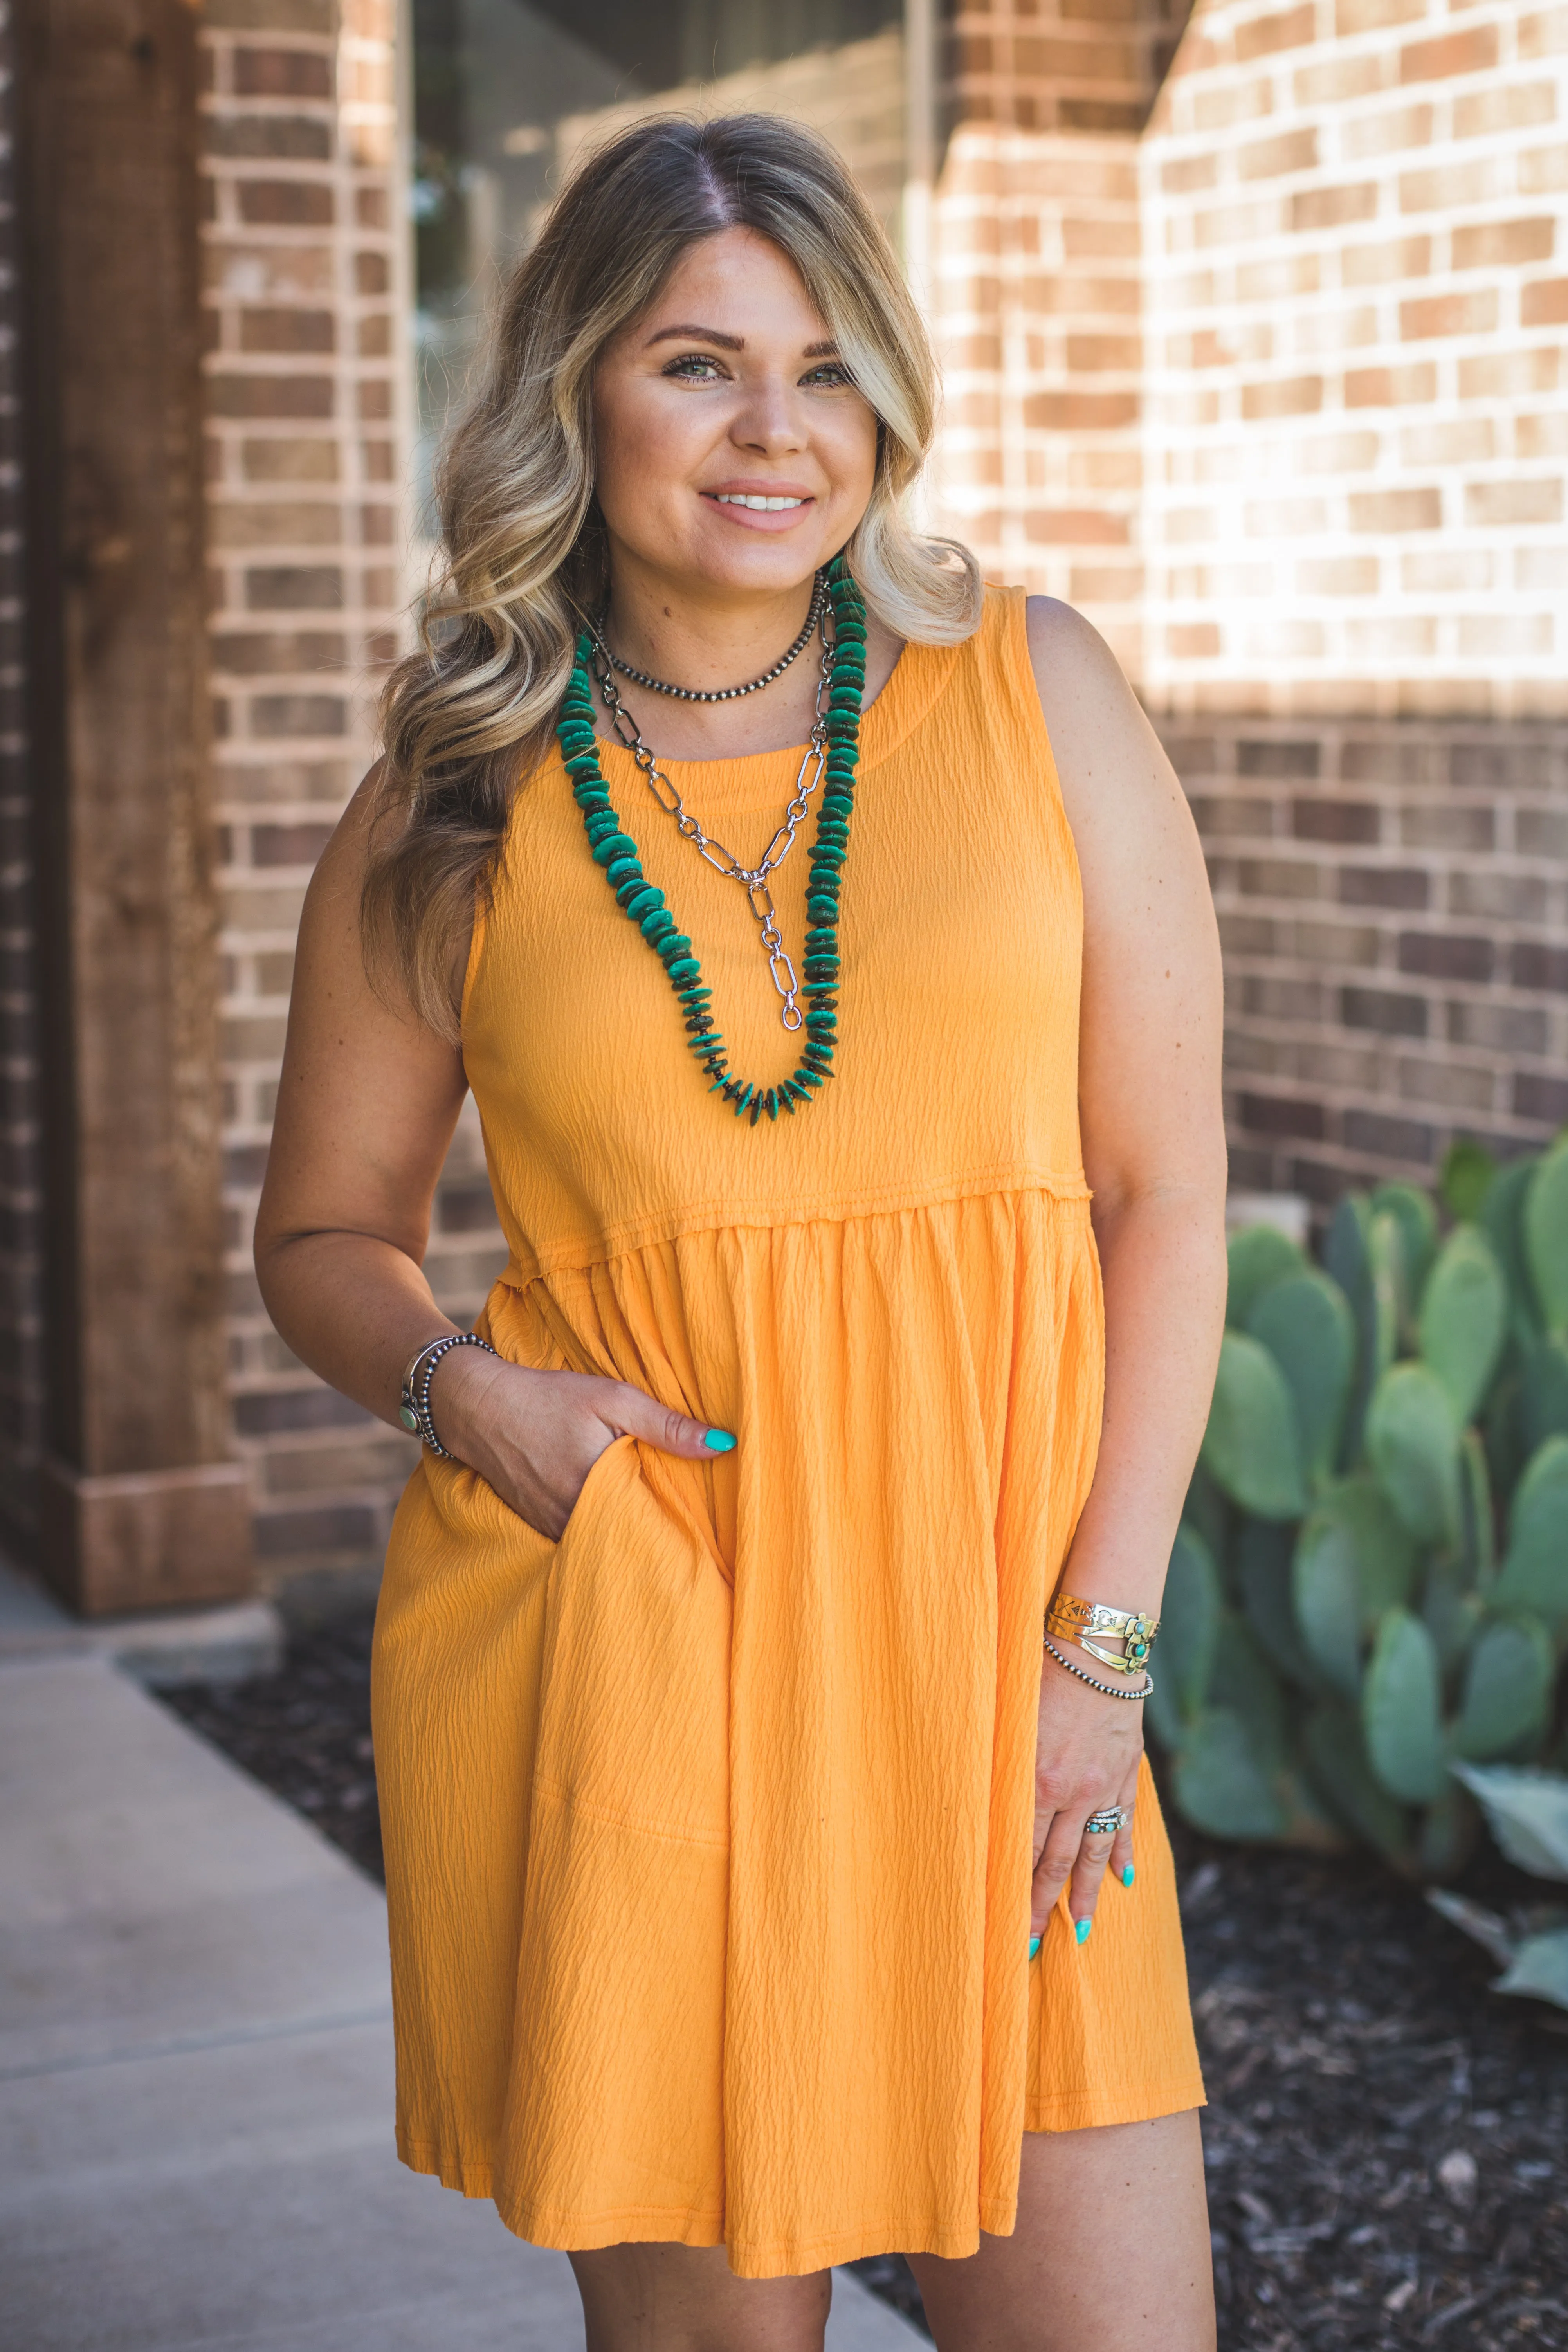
(1086,1759)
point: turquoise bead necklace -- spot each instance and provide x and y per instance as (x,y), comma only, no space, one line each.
(835,749)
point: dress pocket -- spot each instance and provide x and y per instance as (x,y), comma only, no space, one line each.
(634,1721)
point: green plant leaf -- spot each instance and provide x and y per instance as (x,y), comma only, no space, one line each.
(1394,1299)
(1478,1528)
(1348,1261)
(1223,1785)
(1527,1812)
(1546,1238)
(1415,1213)
(1506,1700)
(1306,1324)
(1450,1613)
(1251,1447)
(1543,1392)
(1326,1591)
(1335,1748)
(1413,1442)
(1539,1969)
(1400,1706)
(1502,1216)
(1263,1552)
(1244,1681)
(1468,1172)
(1189,1628)
(1464,1319)
(1258,1256)
(1447,1836)
(1534,1576)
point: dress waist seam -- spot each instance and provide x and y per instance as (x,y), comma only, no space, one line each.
(1067,1190)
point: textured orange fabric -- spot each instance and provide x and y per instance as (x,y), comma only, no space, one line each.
(707,1830)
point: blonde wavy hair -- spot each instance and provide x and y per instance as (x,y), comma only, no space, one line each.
(468,714)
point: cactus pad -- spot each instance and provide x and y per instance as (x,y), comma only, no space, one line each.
(1535,1569)
(1306,1327)
(1507,1699)
(1546,1238)
(1400,1708)
(1468,1172)
(1463,1318)
(1327,1597)
(1413,1441)
(1256,1257)
(1251,1447)
(1223,1785)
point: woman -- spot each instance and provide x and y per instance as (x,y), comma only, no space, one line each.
(735,1815)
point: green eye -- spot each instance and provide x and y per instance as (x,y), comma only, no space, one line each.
(830,373)
(696,366)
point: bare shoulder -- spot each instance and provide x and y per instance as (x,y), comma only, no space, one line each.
(1117,783)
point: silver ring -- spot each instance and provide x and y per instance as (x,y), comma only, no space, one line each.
(1110,1818)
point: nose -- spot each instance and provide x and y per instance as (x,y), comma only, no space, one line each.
(770,419)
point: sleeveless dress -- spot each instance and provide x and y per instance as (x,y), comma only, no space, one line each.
(708,1829)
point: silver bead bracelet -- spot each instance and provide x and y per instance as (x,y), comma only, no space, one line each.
(414,1404)
(1094,1683)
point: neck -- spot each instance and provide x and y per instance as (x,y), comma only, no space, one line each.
(702,639)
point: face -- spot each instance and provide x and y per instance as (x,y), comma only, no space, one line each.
(733,450)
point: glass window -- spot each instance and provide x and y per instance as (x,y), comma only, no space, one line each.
(507,90)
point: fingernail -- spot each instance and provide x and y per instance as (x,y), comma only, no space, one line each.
(1128,1875)
(1082,1927)
(1034,1946)
(718,1441)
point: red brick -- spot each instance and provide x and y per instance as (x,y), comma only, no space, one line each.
(1437,955)
(1502,244)
(285,203)
(260,138)
(1100,354)
(1299,396)
(1076,526)
(1380,1009)
(270,396)
(282,73)
(291,587)
(1080,412)
(1406,888)
(1282,1115)
(1545,35)
(288,844)
(1382,265)
(373,273)
(1537,502)
(1264,36)
(1338,575)
(1313,208)
(1391,387)
(1474,313)
(298,714)
(1539,1098)
(1292,150)
(1185,173)
(1353,822)
(1492,374)
(1453,53)
(1391,132)
(1533,964)
(1372,16)
(1192,641)
(1334,79)
(373,337)
(263,652)
(1544,304)
(287,331)
(1509,106)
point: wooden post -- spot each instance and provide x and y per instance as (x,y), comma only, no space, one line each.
(139,1506)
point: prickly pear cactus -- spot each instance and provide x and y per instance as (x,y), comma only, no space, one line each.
(1370,1585)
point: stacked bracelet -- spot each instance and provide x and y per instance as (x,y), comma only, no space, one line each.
(413,1403)
(1080,1621)
(1111,1689)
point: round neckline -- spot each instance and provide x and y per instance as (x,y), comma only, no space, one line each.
(917,678)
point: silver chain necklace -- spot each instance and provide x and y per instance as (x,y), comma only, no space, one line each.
(722,693)
(753,878)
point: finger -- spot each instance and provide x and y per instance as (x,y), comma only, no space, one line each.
(1087,1878)
(634,1413)
(1121,1852)
(1054,1867)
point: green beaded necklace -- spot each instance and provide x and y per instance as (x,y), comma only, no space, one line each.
(615,853)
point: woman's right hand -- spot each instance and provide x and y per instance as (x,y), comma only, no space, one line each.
(534,1436)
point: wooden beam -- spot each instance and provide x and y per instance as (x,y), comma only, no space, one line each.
(140,1506)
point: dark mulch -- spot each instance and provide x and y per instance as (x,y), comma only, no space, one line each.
(1387,2143)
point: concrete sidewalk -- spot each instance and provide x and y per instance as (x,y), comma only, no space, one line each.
(195,2071)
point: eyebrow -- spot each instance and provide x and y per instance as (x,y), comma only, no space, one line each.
(826,350)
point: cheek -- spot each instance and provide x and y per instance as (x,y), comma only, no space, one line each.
(644,451)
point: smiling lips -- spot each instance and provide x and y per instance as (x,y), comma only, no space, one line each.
(756,503)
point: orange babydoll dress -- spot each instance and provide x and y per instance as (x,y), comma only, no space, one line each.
(708,1828)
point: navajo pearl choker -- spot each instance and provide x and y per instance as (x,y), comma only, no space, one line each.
(722,693)
(615,852)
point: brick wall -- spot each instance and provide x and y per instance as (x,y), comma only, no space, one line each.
(21,1370)
(1356,430)
(1357,414)
(307,438)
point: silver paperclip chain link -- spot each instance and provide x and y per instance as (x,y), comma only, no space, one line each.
(753,880)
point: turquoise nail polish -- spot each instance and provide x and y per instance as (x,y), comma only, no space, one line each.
(718,1441)
(1083,1927)
(1034,1946)
(1128,1875)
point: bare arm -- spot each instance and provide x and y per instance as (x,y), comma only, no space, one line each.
(366,1111)
(1153,1142)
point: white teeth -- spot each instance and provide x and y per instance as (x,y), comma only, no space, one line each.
(757,505)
